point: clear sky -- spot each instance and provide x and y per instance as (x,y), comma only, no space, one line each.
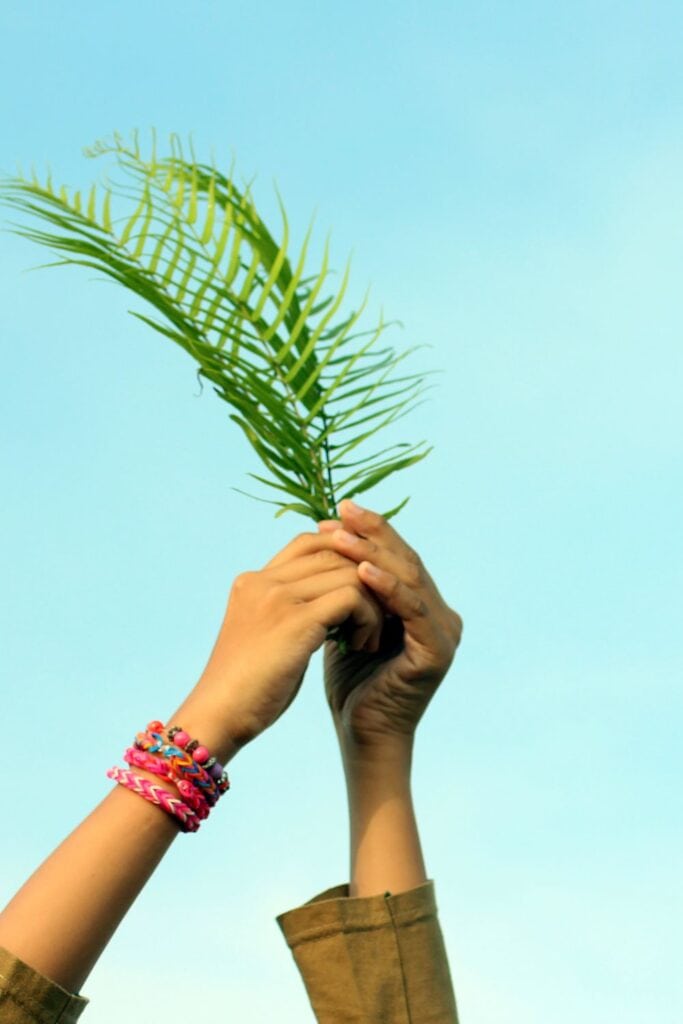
(510,178)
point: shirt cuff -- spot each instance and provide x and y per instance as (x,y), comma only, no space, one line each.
(28,997)
(380,958)
(334,911)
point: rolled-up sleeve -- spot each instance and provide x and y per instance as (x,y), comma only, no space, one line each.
(27,997)
(378,959)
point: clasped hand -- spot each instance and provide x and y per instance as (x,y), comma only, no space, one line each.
(357,571)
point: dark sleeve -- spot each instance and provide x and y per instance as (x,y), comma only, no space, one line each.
(27,997)
(376,958)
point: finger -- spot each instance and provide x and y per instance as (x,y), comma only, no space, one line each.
(367,623)
(335,607)
(373,527)
(311,554)
(328,525)
(409,570)
(303,544)
(401,600)
(312,586)
(324,560)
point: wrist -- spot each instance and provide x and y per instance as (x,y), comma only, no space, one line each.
(374,773)
(204,720)
(383,753)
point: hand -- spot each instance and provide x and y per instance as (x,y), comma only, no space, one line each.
(380,694)
(276,618)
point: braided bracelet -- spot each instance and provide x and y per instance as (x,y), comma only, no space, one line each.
(201,755)
(158,766)
(189,822)
(194,759)
(182,763)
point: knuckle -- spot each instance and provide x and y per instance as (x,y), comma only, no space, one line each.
(351,596)
(304,541)
(412,556)
(413,573)
(329,559)
(243,581)
(456,626)
(305,536)
(269,601)
(369,547)
(374,521)
(246,588)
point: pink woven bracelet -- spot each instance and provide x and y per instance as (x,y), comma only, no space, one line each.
(186,762)
(189,822)
(159,766)
(181,763)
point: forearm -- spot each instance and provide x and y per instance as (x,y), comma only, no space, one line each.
(63,917)
(385,850)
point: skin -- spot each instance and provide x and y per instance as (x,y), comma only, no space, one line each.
(377,697)
(402,638)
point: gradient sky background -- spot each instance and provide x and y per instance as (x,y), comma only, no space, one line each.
(510,178)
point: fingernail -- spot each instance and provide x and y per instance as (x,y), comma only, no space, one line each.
(352,505)
(327,525)
(371,570)
(346,538)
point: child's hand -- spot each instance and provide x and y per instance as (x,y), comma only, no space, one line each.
(276,618)
(380,695)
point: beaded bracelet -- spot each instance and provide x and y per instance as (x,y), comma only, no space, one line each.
(192,749)
(201,755)
(158,766)
(189,822)
(182,763)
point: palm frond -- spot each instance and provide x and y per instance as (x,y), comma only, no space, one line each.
(307,384)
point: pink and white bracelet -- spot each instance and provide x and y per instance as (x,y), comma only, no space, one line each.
(159,766)
(189,822)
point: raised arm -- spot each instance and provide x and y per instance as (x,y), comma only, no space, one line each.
(275,619)
(378,698)
(373,950)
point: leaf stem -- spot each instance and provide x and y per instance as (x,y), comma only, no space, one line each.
(332,509)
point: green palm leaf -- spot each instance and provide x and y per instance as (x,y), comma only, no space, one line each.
(306,385)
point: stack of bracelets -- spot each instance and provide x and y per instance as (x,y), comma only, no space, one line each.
(199,778)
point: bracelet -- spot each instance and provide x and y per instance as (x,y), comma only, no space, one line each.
(150,762)
(189,822)
(201,755)
(182,763)
(193,758)
(199,778)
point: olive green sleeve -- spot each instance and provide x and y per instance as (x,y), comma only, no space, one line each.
(27,997)
(378,959)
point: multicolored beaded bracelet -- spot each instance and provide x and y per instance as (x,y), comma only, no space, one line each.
(189,822)
(201,755)
(182,763)
(137,758)
(198,752)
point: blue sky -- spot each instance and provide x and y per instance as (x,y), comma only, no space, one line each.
(509,180)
